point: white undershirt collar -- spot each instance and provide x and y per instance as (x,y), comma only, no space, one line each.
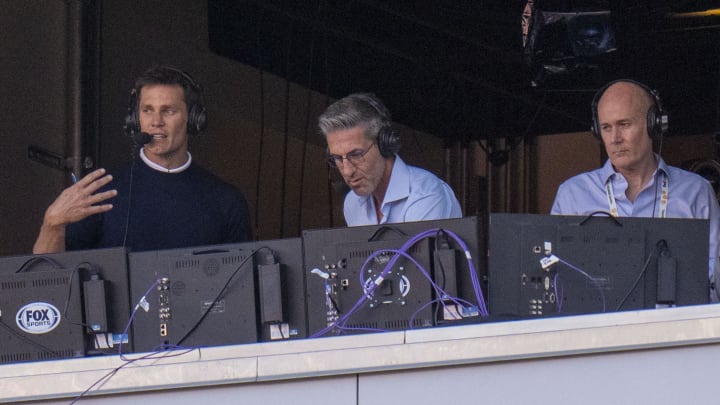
(164,169)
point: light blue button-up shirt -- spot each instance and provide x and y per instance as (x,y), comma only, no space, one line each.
(414,194)
(689,196)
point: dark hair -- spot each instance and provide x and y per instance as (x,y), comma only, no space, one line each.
(170,75)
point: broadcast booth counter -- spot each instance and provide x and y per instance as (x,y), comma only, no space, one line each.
(649,356)
(396,314)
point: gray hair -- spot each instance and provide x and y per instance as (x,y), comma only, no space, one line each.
(357,109)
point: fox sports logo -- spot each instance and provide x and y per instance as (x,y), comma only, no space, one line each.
(38,318)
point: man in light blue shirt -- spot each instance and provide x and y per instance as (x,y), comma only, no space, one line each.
(635,182)
(363,146)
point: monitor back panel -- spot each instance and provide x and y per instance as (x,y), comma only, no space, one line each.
(603,265)
(399,302)
(289,289)
(104,280)
(469,231)
(343,266)
(192,297)
(41,316)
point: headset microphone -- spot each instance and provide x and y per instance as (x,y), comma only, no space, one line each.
(141,138)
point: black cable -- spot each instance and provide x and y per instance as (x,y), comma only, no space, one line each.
(535,116)
(262,122)
(111,373)
(303,156)
(592,215)
(65,309)
(24,338)
(308,104)
(127,214)
(436,249)
(381,230)
(81,322)
(25,266)
(137,145)
(218,296)
(334,304)
(661,244)
(286,128)
(133,313)
(326,65)
(67,300)
(445,245)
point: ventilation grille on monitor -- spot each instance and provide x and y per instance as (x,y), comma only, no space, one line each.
(50,281)
(12,285)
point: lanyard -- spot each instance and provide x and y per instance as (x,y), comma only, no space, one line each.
(663,196)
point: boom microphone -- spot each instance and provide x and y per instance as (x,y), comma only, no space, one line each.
(141,138)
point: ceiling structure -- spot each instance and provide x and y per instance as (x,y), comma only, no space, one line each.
(458,68)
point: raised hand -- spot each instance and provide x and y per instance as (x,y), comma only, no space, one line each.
(75,203)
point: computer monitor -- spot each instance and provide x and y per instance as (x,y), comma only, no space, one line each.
(280,288)
(551,265)
(88,290)
(217,295)
(393,276)
(191,297)
(41,316)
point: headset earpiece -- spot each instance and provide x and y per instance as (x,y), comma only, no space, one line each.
(132,121)
(388,140)
(197,119)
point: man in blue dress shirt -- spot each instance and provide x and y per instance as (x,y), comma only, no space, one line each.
(635,181)
(363,146)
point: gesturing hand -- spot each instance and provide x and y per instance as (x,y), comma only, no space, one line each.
(80,200)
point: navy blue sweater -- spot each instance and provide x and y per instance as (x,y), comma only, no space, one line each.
(165,211)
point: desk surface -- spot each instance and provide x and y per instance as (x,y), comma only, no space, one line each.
(368,353)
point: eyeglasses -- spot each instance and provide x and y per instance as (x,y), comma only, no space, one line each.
(355,157)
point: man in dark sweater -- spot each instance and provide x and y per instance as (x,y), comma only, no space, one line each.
(163,200)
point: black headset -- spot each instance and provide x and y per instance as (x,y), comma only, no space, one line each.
(388,140)
(197,115)
(657,118)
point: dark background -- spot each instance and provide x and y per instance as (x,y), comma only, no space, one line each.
(458,68)
(472,104)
